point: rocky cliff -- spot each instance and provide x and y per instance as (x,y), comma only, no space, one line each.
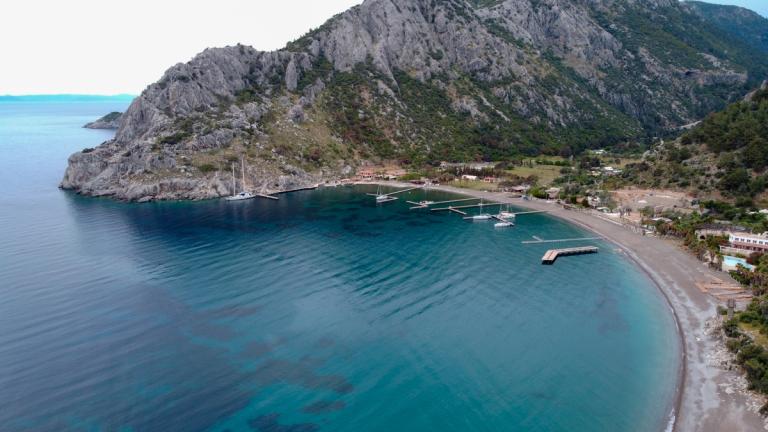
(109,121)
(420,81)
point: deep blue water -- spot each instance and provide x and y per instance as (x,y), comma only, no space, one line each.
(321,311)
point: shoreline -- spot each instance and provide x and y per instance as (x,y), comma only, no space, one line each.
(705,398)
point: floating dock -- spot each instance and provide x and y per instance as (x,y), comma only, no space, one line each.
(551,256)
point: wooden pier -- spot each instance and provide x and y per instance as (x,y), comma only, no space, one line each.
(267,196)
(465,207)
(292,190)
(539,240)
(551,256)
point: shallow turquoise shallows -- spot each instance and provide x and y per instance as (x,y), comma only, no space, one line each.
(321,311)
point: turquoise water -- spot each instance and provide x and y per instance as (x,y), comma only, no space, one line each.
(318,312)
(736,261)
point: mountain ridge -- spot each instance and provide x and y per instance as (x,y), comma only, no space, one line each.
(420,81)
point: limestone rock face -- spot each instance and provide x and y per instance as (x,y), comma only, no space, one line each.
(529,71)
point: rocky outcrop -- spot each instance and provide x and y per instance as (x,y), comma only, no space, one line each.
(109,121)
(416,80)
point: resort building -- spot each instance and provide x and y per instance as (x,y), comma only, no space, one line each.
(719,230)
(746,243)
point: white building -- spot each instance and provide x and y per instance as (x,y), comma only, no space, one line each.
(748,242)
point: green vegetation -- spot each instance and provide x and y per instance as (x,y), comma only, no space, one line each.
(114,115)
(742,128)
(207,168)
(746,334)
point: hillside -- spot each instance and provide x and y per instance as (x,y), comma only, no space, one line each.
(421,81)
(742,23)
(726,155)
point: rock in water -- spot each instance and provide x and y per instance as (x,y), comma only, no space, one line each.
(419,80)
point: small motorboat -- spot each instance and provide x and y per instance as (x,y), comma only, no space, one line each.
(506,224)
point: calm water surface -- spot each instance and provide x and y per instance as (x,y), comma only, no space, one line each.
(319,312)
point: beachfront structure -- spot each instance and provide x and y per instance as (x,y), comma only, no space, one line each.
(747,243)
(553,193)
(380,173)
(719,230)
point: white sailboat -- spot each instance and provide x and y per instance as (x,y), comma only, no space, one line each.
(481,216)
(506,214)
(382,198)
(243,195)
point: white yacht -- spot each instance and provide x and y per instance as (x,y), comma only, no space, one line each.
(505,224)
(243,195)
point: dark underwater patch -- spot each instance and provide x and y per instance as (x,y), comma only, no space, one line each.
(299,373)
(271,423)
(324,406)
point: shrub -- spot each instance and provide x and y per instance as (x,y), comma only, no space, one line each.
(207,168)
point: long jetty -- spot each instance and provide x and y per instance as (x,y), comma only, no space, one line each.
(551,256)
(465,207)
(313,187)
(539,241)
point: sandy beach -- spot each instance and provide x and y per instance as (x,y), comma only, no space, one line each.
(709,398)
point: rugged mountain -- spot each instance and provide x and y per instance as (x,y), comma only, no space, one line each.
(109,121)
(420,81)
(742,23)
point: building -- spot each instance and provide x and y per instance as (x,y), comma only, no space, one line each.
(366,173)
(469,177)
(718,230)
(553,193)
(746,243)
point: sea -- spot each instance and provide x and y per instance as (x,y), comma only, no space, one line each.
(322,311)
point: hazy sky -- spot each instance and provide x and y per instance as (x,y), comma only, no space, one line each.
(110,47)
(107,47)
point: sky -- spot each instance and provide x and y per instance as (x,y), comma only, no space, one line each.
(106,47)
(111,47)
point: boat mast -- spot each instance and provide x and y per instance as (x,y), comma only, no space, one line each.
(234,184)
(243,161)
